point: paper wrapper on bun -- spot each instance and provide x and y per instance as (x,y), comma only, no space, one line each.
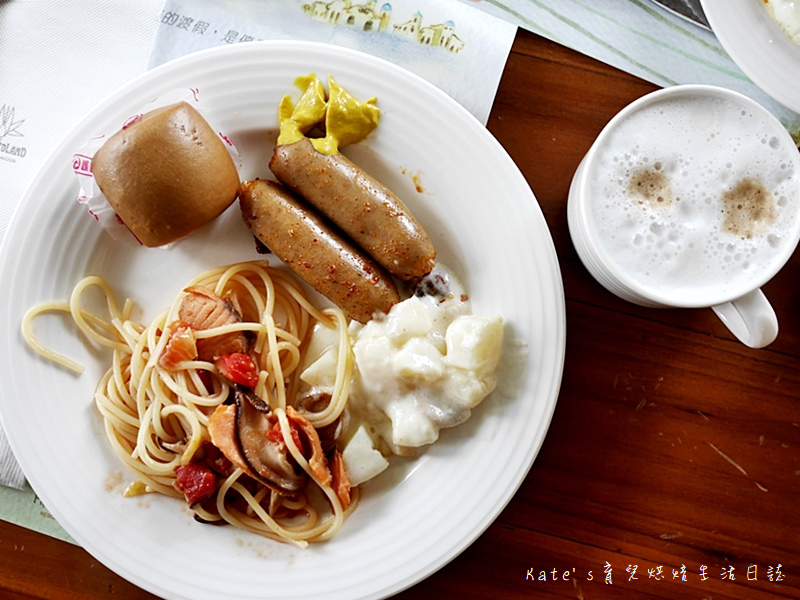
(165,174)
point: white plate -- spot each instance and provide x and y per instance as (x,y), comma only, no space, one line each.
(415,517)
(758,46)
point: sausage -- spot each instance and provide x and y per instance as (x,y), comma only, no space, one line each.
(366,210)
(320,255)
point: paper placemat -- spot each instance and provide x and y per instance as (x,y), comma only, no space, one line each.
(57,60)
(458,49)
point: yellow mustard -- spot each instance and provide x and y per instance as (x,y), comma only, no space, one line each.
(346,120)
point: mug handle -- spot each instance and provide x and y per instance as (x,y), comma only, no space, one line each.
(750,318)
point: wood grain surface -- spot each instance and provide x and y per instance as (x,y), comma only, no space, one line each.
(671,468)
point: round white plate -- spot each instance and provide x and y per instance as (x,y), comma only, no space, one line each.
(758,46)
(416,516)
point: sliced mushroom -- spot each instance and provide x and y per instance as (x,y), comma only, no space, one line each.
(222,429)
(268,460)
(259,404)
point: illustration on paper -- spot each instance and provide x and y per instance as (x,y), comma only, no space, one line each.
(369,18)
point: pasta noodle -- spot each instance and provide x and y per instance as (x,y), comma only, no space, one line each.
(156,419)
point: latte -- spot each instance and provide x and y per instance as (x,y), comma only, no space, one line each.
(694,197)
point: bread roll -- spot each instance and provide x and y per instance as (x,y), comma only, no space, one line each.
(166,175)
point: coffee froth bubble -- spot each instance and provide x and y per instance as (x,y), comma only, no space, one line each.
(694,196)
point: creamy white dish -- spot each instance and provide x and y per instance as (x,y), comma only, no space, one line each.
(421,368)
(786,13)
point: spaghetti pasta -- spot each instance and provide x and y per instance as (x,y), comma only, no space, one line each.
(157,418)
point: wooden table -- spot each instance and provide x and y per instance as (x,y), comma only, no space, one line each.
(672,465)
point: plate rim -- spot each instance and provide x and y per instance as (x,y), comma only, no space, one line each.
(65,146)
(764,34)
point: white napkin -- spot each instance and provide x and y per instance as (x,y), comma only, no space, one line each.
(58,60)
(460,50)
(10,473)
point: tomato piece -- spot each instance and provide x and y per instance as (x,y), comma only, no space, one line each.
(196,481)
(239,368)
(276,435)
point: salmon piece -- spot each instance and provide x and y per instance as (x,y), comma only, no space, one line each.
(222,429)
(317,462)
(202,309)
(180,347)
(340,481)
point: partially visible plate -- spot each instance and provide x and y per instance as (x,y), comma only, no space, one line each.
(758,46)
(691,10)
(416,516)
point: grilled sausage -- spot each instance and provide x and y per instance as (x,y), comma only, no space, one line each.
(366,210)
(322,257)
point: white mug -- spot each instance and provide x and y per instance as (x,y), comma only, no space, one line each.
(690,197)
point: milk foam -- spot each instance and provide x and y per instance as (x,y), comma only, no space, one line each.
(658,197)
